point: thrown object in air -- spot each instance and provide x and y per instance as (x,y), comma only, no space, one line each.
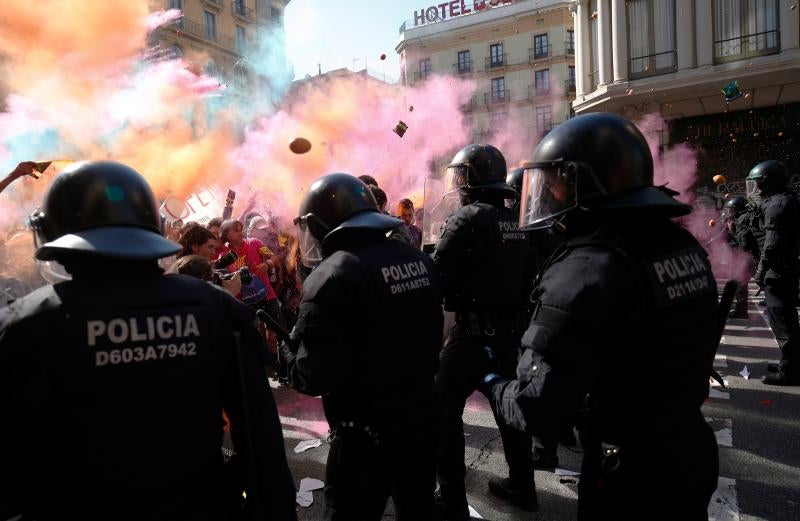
(400,129)
(712,223)
(300,145)
(383,56)
(731,91)
(411,108)
(719,179)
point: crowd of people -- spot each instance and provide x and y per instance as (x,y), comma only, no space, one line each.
(565,278)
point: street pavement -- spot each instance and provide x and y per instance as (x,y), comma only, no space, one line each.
(757,428)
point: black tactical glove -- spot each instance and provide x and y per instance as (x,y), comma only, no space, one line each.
(487,369)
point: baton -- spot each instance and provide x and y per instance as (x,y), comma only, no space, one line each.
(273,325)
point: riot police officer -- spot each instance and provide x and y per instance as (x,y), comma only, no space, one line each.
(113,381)
(630,294)
(482,259)
(735,215)
(376,380)
(778,267)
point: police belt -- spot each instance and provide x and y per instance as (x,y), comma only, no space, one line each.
(346,429)
(488,324)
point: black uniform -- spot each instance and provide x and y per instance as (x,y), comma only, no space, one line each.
(376,380)
(481,257)
(630,302)
(778,271)
(112,387)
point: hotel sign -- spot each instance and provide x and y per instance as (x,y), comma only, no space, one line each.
(443,11)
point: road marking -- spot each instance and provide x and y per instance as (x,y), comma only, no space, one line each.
(713,393)
(723,430)
(721,360)
(724,506)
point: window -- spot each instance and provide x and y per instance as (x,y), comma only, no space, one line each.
(212,69)
(570,86)
(498,89)
(542,81)
(177,52)
(499,119)
(276,15)
(570,43)
(241,38)
(424,68)
(541,48)
(544,119)
(745,28)
(651,37)
(176,4)
(464,62)
(496,56)
(211,26)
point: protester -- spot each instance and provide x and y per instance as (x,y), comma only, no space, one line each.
(115,384)
(377,388)
(405,211)
(368,180)
(380,197)
(607,309)
(197,240)
(201,268)
(26,168)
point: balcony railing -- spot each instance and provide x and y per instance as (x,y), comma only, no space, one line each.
(471,104)
(497,62)
(463,67)
(241,11)
(540,89)
(540,52)
(197,30)
(653,64)
(497,97)
(421,76)
(747,46)
(569,85)
(569,48)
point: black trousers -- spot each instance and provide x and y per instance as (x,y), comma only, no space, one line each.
(657,477)
(361,475)
(781,299)
(457,379)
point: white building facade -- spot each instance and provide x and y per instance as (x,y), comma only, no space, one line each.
(674,57)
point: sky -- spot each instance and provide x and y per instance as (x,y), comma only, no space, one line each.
(335,33)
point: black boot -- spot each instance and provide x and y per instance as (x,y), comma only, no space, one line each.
(781,378)
(523,497)
(739,313)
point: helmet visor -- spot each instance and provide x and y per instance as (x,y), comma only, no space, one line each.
(456,176)
(547,192)
(310,247)
(751,186)
(51,271)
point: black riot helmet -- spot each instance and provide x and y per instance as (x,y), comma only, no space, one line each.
(479,169)
(514,179)
(771,177)
(734,207)
(100,208)
(334,203)
(597,163)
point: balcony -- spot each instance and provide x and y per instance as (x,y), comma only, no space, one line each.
(470,105)
(748,46)
(241,11)
(569,48)
(214,4)
(498,62)
(569,86)
(540,52)
(653,64)
(421,76)
(201,32)
(463,67)
(496,97)
(540,89)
